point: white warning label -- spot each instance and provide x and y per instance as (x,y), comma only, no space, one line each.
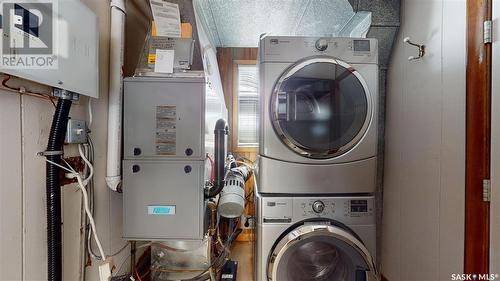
(166,120)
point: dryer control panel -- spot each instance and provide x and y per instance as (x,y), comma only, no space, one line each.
(348,210)
(293,48)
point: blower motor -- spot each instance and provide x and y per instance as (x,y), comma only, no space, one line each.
(232,196)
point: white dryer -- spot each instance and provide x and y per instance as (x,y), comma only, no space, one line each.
(315,238)
(319,104)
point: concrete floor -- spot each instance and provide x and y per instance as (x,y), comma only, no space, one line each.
(243,253)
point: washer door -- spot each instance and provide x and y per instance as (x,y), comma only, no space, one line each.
(321,107)
(318,252)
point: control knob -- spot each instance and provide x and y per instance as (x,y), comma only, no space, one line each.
(318,206)
(321,44)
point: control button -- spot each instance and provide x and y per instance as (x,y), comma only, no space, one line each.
(318,207)
(321,44)
(136,168)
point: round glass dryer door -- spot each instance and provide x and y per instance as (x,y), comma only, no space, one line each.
(321,107)
(320,253)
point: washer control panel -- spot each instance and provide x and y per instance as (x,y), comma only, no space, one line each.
(357,210)
(318,206)
(352,209)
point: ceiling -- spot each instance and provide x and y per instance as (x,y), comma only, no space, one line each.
(239,23)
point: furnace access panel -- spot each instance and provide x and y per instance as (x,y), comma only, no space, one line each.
(164,158)
(164,118)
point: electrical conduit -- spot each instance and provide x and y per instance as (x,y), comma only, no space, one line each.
(53,189)
(116,49)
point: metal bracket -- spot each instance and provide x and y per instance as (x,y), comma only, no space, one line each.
(64,94)
(50,153)
(488,32)
(486,190)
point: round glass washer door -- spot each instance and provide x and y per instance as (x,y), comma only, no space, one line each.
(321,107)
(320,253)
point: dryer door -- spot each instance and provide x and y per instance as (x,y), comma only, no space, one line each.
(318,253)
(321,107)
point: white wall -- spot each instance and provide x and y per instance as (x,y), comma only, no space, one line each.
(423,215)
(24,128)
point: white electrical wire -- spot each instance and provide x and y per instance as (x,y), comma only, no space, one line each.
(89,214)
(81,185)
(90,112)
(87,162)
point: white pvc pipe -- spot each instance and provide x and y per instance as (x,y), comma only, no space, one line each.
(116,48)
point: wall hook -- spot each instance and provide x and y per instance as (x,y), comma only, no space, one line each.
(421,49)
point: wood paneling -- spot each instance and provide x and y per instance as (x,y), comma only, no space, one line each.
(228,59)
(478,133)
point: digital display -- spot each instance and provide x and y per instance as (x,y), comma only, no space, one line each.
(361,45)
(359,206)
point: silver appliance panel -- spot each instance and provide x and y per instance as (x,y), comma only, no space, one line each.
(160,121)
(274,237)
(274,176)
(348,210)
(293,48)
(163,200)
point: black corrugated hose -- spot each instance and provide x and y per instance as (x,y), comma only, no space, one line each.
(53,190)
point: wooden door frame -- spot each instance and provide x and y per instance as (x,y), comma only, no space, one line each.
(478,139)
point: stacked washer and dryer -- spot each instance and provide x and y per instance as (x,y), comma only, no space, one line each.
(316,176)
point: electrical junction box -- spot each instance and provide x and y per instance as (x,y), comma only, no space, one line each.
(51,42)
(76,131)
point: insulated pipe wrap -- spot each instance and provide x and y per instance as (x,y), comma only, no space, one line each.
(53,191)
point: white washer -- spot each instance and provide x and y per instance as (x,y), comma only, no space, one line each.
(316,238)
(318,129)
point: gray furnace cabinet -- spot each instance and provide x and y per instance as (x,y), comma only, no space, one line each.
(164,158)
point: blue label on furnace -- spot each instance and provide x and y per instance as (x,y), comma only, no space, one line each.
(161,210)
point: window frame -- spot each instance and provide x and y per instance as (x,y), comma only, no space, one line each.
(235,110)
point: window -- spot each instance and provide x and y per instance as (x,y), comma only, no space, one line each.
(247,105)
